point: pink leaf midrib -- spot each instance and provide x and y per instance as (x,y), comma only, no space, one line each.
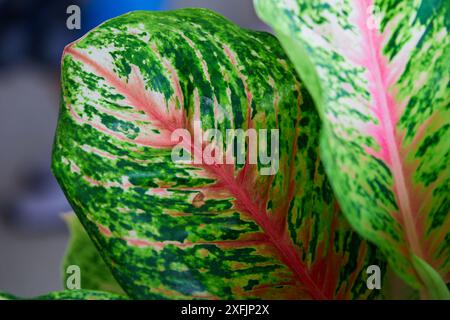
(285,248)
(386,114)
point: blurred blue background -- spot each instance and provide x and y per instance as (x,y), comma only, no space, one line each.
(33,34)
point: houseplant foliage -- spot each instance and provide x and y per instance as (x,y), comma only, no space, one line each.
(207,231)
(378,72)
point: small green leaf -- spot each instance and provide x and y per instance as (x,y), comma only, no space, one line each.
(81,295)
(436,287)
(95,274)
(7,296)
(69,295)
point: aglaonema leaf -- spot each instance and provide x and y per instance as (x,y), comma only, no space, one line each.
(174,230)
(81,252)
(379,74)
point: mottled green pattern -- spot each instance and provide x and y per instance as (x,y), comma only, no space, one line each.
(383,92)
(95,274)
(169,230)
(80,295)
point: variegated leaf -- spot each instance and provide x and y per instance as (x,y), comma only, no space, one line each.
(198,230)
(81,295)
(379,72)
(81,252)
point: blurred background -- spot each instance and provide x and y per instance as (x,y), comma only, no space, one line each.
(33,34)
